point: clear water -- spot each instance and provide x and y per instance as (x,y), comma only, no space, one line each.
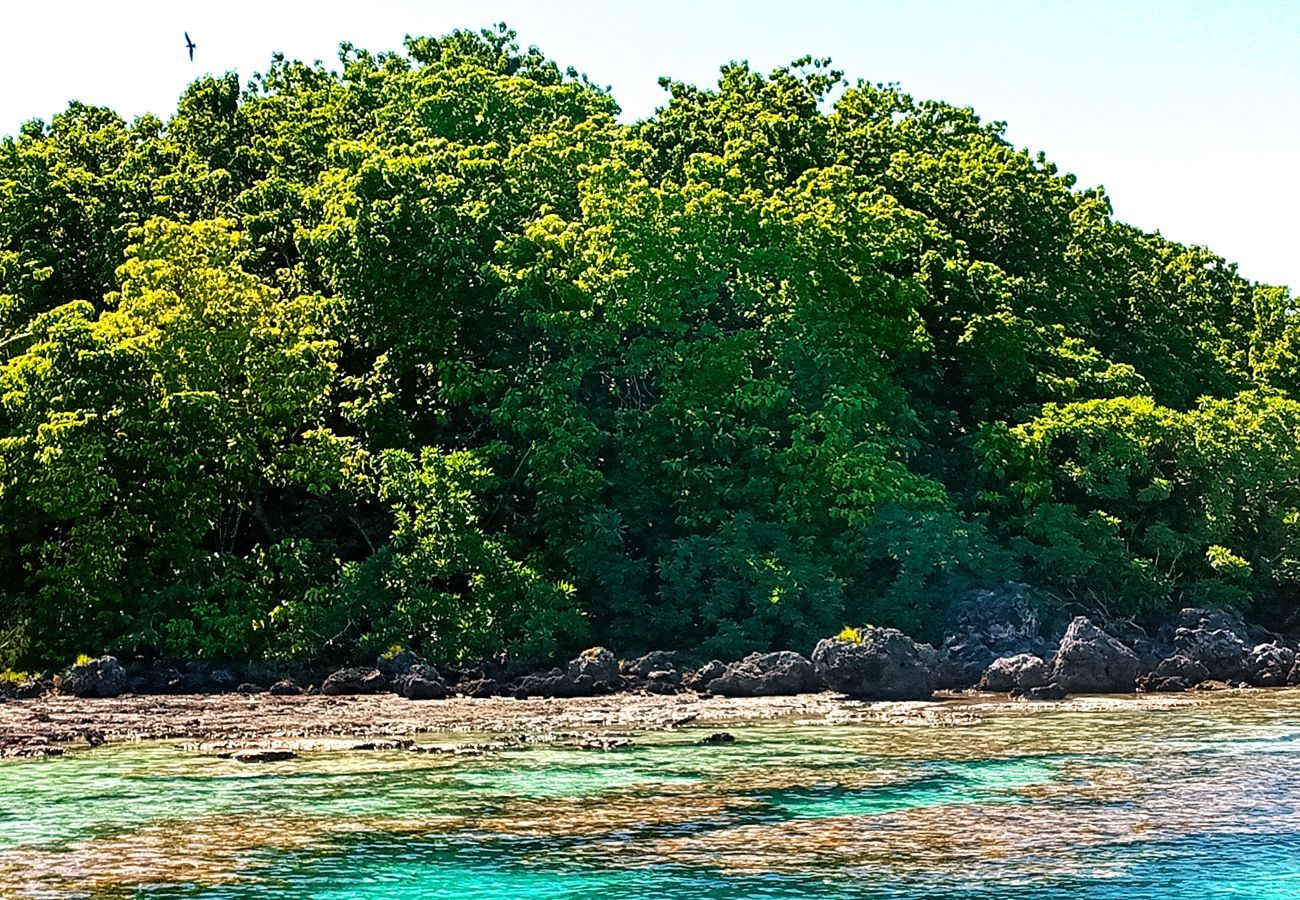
(1109,799)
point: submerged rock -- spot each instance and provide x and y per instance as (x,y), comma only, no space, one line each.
(262,756)
(1091,661)
(1024,670)
(354,681)
(766,675)
(885,665)
(103,677)
(606,744)
(718,737)
(383,744)
(32,750)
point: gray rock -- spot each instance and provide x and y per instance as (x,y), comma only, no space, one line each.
(383,744)
(990,624)
(1024,670)
(223,680)
(1269,665)
(1213,684)
(595,671)
(605,744)
(103,677)
(262,756)
(354,681)
(398,664)
(553,684)
(1048,692)
(29,689)
(1225,620)
(164,680)
(477,687)
(947,674)
(194,676)
(598,664)
(885,665)
(654,661)
(1151,684)
(1221,650)
(1174,673)
(1091,661)
(1178,666)
(707,673)
(776,674)
(285,688)
(420,682)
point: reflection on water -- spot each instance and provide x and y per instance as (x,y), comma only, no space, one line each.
(1124,799)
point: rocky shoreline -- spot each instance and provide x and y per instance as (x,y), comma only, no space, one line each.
(997,642)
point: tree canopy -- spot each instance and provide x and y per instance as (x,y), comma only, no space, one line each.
(430,350)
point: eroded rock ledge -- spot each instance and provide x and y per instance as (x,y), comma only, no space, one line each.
(997,641)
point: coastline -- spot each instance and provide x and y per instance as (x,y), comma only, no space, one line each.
(213,723)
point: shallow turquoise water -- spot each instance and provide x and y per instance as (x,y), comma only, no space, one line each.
(1123,799)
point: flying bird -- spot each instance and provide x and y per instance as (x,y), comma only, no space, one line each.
(190,45)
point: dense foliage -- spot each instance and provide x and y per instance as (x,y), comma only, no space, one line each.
(433,351)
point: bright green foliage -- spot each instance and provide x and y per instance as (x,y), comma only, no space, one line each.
(431,351)
(138,442)
(439,584)
(1134,505)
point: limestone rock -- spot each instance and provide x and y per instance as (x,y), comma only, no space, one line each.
(885,665)
(1091,661)
(103,677)
(776,674)
(1024,670)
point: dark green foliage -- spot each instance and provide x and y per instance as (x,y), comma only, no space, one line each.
(432,351)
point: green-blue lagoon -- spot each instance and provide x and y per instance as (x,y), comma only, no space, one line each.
(1105,797)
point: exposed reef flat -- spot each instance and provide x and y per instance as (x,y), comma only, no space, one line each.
(54,724)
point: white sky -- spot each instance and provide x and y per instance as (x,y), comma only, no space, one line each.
(1188,111)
